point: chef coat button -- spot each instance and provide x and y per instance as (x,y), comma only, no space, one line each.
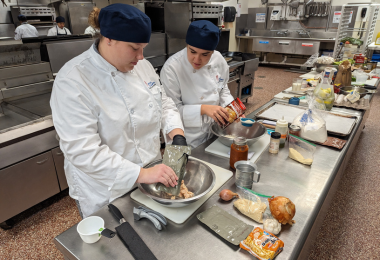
(215,91)
(132,111)
(202,98)
(209,67)
(113,74)
(150,105)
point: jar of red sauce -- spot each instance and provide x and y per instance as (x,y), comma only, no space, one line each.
(239,151)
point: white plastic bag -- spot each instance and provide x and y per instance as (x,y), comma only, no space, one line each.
(313,126)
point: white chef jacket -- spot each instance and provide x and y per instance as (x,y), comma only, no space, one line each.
(91,30)
(55,30)
(190,88)
(109,125)
(25,30)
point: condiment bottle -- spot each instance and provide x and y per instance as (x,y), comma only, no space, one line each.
(274,144)
(295,130)
(239,151)
(282,128)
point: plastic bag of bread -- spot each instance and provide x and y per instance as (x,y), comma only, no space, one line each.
(250,205)
(262,244)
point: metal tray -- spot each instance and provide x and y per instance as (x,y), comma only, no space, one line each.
(258,115)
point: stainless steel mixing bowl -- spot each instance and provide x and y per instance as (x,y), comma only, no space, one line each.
(199,179)
(226,136)
(347,90)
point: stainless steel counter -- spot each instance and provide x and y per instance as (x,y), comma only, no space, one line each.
(310,188)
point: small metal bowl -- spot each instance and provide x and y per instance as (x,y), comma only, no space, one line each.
(347,90)
(321,67)
(252,133)
(199,179)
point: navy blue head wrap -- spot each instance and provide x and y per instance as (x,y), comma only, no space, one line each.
(125,23)
(203,35)
(21,17)
(59,19)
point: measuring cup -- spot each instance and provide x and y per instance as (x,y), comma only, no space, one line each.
(90,228)
(245,172)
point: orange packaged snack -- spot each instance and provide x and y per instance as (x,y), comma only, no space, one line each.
(262,244)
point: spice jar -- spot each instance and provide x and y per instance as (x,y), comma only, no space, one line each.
(295,130)
(274,145)
(239,151)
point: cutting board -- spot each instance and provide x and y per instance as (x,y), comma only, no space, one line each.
(180,215)
(284,95)
(219,149)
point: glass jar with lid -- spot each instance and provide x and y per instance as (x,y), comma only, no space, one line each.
(239,151)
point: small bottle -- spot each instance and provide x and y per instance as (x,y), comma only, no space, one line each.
(274,145)
(282,128)
(239,151)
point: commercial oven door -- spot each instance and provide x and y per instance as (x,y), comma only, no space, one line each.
(233,86)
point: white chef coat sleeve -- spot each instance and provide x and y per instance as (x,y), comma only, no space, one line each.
(75,120)
(52,32)
(18,33)
(171,118)
(191,114)
(225,94)
(68,31)
(36,32)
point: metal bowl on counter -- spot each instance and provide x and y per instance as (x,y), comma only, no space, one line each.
(321,67)
(347,90)
(226,136)
(199,179)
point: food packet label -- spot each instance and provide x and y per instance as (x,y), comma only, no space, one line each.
(353,97)
(235,109)
(262,244)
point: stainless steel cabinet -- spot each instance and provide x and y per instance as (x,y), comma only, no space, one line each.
(27,183)
(284,46)
(59,167)
(263,45)
(306,47)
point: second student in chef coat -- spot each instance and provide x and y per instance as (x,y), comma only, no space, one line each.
(108,107)
(91,29)
(60,28)
(25,30)
(196,79)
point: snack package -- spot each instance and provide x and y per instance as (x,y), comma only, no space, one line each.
(301,150)
(262,244)
(175,157)
(235,110)
(313,126)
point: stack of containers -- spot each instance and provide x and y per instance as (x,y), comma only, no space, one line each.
(349,51)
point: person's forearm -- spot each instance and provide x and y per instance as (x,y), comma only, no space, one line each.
(175,132)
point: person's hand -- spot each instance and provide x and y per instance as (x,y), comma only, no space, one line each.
(218,113)
(158,173)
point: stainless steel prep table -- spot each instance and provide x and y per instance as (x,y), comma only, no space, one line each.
(310,188)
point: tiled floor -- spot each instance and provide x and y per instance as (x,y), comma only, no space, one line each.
(350,231)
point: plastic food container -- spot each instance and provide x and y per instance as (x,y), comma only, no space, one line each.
(88,229)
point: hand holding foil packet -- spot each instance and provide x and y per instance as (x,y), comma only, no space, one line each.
(175,157)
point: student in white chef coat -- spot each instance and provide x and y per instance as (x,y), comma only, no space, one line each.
(25,30)
(108,107)
(196,79)
(60,28)
(91,29)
